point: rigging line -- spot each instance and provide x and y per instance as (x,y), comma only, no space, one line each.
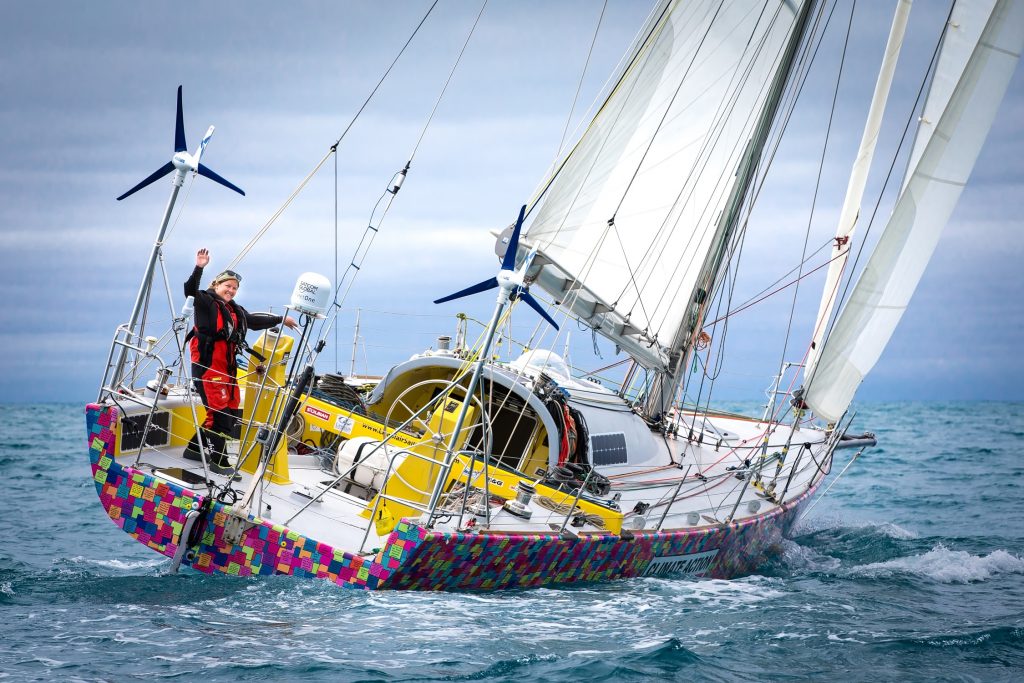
(332,150)
(336,330)
(632,278)
(759,296)
(643,157)
(661,236)
(451,73)
(796,90)
(888,177)
(817,184)
(579,86)
(381,81)
(277,214)
(726,107)
(393,187)
(771,293)
(652,25)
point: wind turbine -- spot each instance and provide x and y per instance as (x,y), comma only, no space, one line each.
(180,164)
(510,279)
(183,162)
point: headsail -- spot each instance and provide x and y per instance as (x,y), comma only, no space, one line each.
(945,160)
(850,214)
(629,219)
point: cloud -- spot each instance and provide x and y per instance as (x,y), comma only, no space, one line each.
(89,111)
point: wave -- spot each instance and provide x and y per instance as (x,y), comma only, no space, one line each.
(119,565)
(826,543)
(997,638)
(813,525)
(943,565)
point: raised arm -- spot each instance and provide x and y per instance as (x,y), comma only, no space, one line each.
(192,283)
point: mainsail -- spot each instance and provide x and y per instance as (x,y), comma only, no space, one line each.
(980,63)
(629,219)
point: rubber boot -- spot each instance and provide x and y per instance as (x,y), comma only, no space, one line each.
(192,449)
(219,463)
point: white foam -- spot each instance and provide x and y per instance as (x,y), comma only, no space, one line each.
(720,593)
(7,588)
(120,565)
(829,522)
(947,566)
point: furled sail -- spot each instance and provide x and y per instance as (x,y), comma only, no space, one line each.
(948,151)
(629,218)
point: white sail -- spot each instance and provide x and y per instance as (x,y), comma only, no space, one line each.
(966,22)
(858,180)
(626,225)
(931,191)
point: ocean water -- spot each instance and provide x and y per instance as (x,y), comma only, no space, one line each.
(911,569)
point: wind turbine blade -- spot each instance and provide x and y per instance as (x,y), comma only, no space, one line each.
(205,171)
(509,262)
(156,175)
(490,283)
(535,305)
(528,261)
(179,128)
(203,144)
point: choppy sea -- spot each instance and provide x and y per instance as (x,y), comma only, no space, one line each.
(911,569)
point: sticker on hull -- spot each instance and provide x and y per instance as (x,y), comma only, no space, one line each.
(694,563)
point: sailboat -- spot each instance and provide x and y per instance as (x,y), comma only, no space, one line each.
(461,471)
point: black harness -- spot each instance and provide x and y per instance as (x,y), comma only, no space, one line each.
(232,330)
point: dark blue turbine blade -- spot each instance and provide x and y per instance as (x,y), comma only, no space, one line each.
(535,305)
(156,175)
(204,171)
(509,262)
(490,283)
(179,128)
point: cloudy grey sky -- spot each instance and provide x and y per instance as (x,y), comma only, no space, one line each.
(88,111)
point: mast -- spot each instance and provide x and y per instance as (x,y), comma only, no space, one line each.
(665,384)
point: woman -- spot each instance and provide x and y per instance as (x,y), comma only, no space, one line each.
(218,336)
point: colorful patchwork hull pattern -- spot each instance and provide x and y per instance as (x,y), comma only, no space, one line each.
(154,513)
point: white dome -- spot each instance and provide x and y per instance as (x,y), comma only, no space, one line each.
(541,360)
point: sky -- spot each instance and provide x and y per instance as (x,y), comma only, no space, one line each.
(88,110)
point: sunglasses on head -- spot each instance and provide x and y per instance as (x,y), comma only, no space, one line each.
(228,275)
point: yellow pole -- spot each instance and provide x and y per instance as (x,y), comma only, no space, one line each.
(256,408)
